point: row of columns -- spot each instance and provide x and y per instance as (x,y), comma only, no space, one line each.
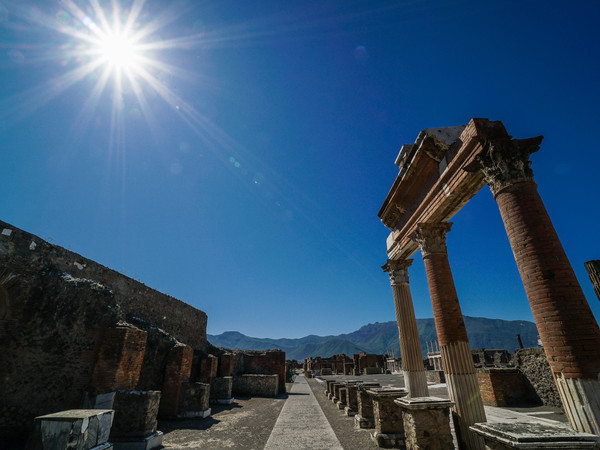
(567,327)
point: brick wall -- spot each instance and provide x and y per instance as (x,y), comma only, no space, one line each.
(59,316)
(177,371)
(505,387)
(566,325)
(119,359)
(269,362)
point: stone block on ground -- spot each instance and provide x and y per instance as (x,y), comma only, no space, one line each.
(499,436)
(387,417)
(194,400)
(135,415)
(221,390)
(77,429)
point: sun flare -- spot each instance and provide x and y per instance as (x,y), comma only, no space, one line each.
(119,50)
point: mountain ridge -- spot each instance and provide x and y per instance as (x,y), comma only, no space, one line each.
(382,337)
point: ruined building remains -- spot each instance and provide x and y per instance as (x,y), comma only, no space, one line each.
(439,174)
(74,332)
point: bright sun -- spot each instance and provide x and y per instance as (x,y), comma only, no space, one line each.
(119,51)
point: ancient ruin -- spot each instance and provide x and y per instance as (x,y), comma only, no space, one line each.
(78,336)
(439,174)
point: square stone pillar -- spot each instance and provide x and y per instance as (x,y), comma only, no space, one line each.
(194,400)
(389,428)
(221,390)
(364,417)
(135,419)
(177,371)
(426,422)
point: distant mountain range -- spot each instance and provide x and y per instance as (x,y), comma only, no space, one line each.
(380,338)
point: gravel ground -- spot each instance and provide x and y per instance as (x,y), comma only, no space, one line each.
(245,424)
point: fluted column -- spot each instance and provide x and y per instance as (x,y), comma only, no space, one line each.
(567,327)
(457,361)
(410,346)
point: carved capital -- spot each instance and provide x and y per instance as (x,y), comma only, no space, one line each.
(504,161)
(431,237)
(393,216)
(397,269)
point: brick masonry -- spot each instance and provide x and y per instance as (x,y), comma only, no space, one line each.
(567,327)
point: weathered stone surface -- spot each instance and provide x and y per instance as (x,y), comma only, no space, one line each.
(62,314)
(77,429)
(221,388)
(532,362)
(256,385)
(194,398)
(505,387)
(533,435)
(387,416)
(426,422)
(135,414)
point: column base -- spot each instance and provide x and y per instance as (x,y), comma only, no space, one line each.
(426,422)
(581,400)
(416,383)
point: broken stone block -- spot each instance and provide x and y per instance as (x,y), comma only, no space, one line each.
(193,400)
(76,429)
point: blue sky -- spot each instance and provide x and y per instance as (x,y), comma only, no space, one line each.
(244,172)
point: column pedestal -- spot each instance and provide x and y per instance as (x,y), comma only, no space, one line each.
(426,422)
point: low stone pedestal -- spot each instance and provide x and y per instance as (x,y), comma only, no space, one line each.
(389,428)
(76,429)
(426,422)
(221,389)
(352,396)
(135,422)
(500,436)
(364,417)
(256,385)
(336,391)
(193,400)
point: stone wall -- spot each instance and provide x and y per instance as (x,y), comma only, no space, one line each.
(177,318)
(65,333)
(256,385)
(533,364)
(505,387)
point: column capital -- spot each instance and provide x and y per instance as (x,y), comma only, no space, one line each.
(431,237)
(504,161)
(397,269)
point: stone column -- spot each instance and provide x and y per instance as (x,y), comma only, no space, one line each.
(567,327)
(457,361)
(410,346)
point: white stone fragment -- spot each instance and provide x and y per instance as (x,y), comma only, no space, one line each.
(6,232)
(32,246)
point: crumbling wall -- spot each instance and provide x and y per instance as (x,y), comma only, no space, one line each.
(184,322)
(533,364)
(64,330)
(269,362)
(49,333)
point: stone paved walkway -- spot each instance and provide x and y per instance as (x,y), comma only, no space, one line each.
(301,423)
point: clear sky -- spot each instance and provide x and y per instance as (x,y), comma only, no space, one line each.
(240,162)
